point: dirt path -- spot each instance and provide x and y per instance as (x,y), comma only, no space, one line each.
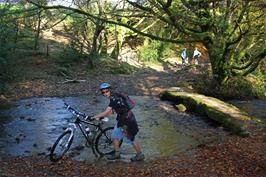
(41,81)
(144,83)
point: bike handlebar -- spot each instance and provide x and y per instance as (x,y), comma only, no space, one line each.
(77,113)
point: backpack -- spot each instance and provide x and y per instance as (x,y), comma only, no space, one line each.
(128,101)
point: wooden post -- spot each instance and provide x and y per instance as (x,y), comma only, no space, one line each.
(47,50)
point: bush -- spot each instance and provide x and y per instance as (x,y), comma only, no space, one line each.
(236,88)
(153,51)
(68,55)
(8,72)
(148,52)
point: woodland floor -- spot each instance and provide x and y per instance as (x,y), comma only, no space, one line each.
(234,156)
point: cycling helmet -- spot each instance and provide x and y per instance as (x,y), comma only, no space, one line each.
(105,86)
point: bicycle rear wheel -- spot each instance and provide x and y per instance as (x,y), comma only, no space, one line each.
(103,143)
(61,145)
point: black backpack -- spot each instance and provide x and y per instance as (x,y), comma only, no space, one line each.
(123,103)
(128,101)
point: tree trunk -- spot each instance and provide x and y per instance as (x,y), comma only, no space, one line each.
(104,43)
(219,63)
(93,52)
(38,31)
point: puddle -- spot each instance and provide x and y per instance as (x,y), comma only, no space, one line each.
(37,122)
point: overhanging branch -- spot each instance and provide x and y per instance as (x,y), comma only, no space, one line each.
(114,23)
(251,65)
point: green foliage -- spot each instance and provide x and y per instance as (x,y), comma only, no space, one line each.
(248,87)
(14,36)
(26,43)
(153,50)
(149,51)
(67,56)
(236,88)
(8,29)
(260,72)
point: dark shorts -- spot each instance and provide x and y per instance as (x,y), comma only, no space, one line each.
(118,134)
(129,122)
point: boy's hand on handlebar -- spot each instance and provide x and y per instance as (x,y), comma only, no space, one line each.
(89,118)
(94,118)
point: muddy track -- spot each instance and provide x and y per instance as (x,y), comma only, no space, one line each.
(144,82)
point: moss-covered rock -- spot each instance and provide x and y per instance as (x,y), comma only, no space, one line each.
(181,107)
(226,114)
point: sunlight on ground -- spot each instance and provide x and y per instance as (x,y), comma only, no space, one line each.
(50,35)
(167,63)
(156,67)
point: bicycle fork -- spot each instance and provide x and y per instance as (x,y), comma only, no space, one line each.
(72,131)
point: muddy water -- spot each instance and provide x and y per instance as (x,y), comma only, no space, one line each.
(32,126)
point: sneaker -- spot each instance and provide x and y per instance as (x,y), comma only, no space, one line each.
(138,157)
(114,156)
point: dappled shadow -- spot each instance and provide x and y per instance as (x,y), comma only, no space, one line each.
(144,81)
(42,76)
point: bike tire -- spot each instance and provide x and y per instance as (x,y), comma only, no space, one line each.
(103,143)
(62,144)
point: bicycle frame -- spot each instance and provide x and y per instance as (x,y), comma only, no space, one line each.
(78,123)
(100,141)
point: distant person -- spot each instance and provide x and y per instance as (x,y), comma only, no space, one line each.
(184,57)
(196,55)
(126,127)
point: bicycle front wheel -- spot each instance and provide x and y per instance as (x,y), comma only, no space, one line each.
(61,145)
(103,143)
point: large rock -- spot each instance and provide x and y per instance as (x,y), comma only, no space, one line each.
(226,114)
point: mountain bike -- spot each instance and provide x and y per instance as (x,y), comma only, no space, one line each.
(97,137)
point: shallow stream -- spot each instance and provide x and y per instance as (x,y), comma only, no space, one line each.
(32,126)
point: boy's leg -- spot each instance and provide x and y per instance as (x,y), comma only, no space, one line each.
(116,143)
(117,135)
(139,155)
(131,140)
(136,146)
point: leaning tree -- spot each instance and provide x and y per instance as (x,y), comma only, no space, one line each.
(232,31)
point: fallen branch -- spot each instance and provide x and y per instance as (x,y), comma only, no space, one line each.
(72,81)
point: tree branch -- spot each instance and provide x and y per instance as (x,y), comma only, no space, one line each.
(115,23)
(251,65)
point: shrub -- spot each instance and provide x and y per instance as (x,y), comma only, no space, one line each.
(236,88)
(68,55)
(153,50)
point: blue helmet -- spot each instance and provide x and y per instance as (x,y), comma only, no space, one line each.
(105,86)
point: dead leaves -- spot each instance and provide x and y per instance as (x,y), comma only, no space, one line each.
(236,156)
